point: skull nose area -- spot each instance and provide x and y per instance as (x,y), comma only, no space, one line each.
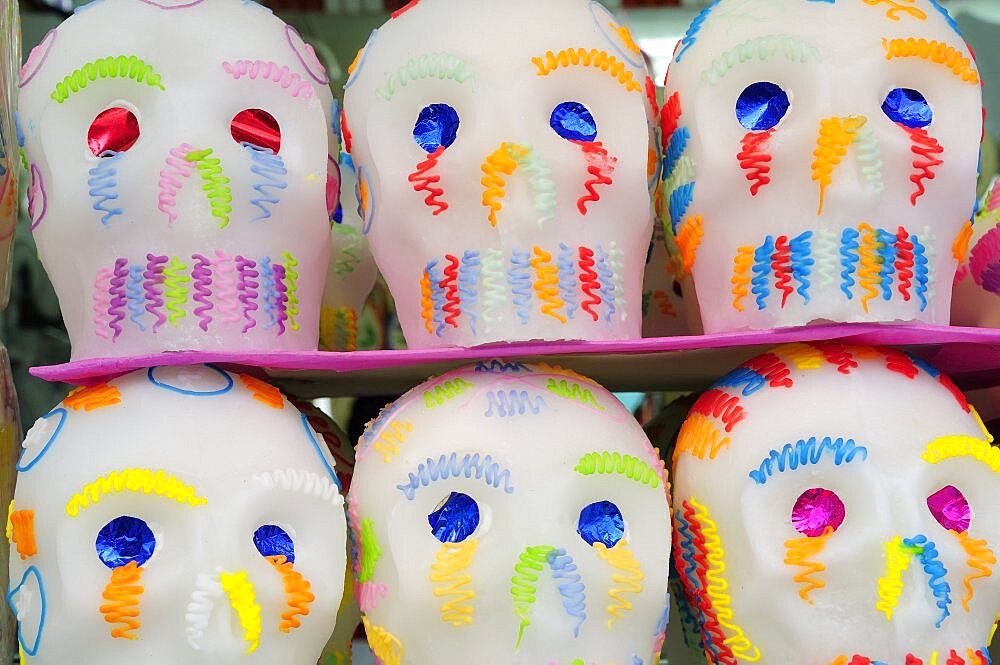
(547,577)
(223,615)
(498,168)
(837,136)
(909,564)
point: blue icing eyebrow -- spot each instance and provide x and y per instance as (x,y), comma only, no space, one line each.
(805,452)
(451,466)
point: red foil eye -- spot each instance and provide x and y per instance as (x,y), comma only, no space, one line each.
(257,127)
(115,130)
(950,508)
(815,510)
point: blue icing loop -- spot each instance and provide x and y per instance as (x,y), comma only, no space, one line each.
(761,106)
(123,540)
(601,521)
(908,107)
(573,122)
(32,586)
(272,540)
(455,518)
(224,382)
(26,461)
(319,450)
(436,127)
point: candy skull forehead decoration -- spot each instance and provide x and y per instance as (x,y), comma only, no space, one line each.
(179,176)
(176,515)
(821,160)
(837,505)
(504,169)
(510,513)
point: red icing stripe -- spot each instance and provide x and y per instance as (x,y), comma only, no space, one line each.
(772,368)
(716,403)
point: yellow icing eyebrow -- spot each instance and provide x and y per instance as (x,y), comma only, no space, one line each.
(937,52)
(581,57)
(947,447)
(139,481)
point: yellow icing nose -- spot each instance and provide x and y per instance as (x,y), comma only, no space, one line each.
(835,134)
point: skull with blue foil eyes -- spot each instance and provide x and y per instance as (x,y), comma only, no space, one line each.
(504,169)
(837,505)
(506,514)
(181,185)
(176,515)
(820,160)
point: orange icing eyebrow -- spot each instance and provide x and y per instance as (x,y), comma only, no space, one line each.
(937,52)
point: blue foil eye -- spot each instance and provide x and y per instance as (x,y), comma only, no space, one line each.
(761,106)
(124,540)
(272,540)
(908,108)
(601,522)
(573,122)
(455,518)
(436,127)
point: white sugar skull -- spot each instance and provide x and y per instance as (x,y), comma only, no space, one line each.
(504,169)
(820,160)
(977,284)
(506,514)
(352,271)
(176,515)
(180,178)
(837,505)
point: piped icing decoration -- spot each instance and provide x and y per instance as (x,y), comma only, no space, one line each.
(939,53)
(243,600)
(145,481)
(980,560)
(93,397)
(800,553)
(808,452)
(581,57)
(628,574)
(121,66)
(386,646)
(21,524)
(450,574)
(437,65)
(122,595)
(280,75)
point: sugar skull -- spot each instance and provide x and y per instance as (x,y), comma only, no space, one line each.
(180,180)
(820,160)
(509,513)
(977,284)
(504,169)
(837,505)
(176,515)
(352,271)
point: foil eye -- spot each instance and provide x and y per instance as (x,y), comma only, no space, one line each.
(256,127)
(455,518)
(815,510)
(272,540)
(761,106)
(113,130)
(436,127)
(950,508)
(602,522)
(907,107)
(123,540)
(574,122)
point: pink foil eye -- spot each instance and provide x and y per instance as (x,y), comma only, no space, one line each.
(114,130)
(815,510)
(950,508)
(256,127)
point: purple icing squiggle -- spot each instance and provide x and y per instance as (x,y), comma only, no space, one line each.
(153,286)
(281,297)
(116,308)
(247,288)
(201,276)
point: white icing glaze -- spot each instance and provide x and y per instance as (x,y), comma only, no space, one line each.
(164,208)
(831,61)
(476,56)
(884,490)
(224,445)
(521,434)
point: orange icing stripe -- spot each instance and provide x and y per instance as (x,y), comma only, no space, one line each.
(123,593)
(22,532)
(800,551)
(263,392)
(93,397)
(980,559)
(297,590)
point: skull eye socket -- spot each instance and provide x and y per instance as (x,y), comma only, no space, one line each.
(815,510)
(271,540)
(256,127)
(455,518)
(574,122)
(950,508)
(907,107)
(123,540)
(601,521)
(436,127)
(114,130)
(761,106)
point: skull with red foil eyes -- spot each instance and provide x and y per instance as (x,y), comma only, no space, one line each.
(504,169)
(176,515)
(820,160)
(510,514)
(837,504)
(181,185)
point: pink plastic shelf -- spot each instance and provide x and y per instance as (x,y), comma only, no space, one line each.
(970,355)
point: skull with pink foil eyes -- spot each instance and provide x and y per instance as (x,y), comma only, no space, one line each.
(176,515)
(181,184)
(820,160)
(977,284)
(837,504)
(504,169)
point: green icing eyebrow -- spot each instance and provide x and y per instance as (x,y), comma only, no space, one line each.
(759,48)
(113,66)
(608,463)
